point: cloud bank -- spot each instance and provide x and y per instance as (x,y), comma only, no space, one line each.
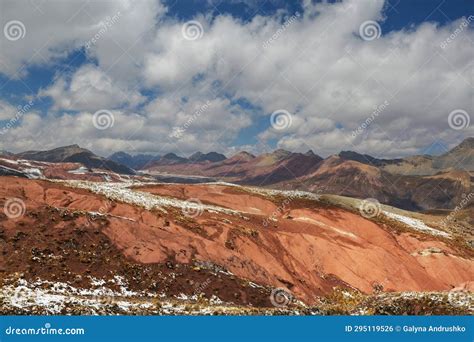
(317,65)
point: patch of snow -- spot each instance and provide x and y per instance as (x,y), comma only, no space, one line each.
(35,162)
(215,300)
(225,184)
(428,251)
(97,282)
(24,162)
(96,213)
(255,286)
(53,297)
(322,224)
(122,192)
(33,173)
(285,193)
(182,296)
(272,192)
(79,171)
(9,161)
(416,224)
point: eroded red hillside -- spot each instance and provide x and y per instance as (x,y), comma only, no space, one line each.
(304,245)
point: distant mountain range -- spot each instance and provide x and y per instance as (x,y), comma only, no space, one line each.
(75,154)
(459,158)
(416,183)
(413,192)
(199,157)
(143,161)
(268,168)
(135,162)
(5,153)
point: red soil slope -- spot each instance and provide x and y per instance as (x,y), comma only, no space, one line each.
(310,247)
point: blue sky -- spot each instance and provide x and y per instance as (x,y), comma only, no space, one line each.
(317,71)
